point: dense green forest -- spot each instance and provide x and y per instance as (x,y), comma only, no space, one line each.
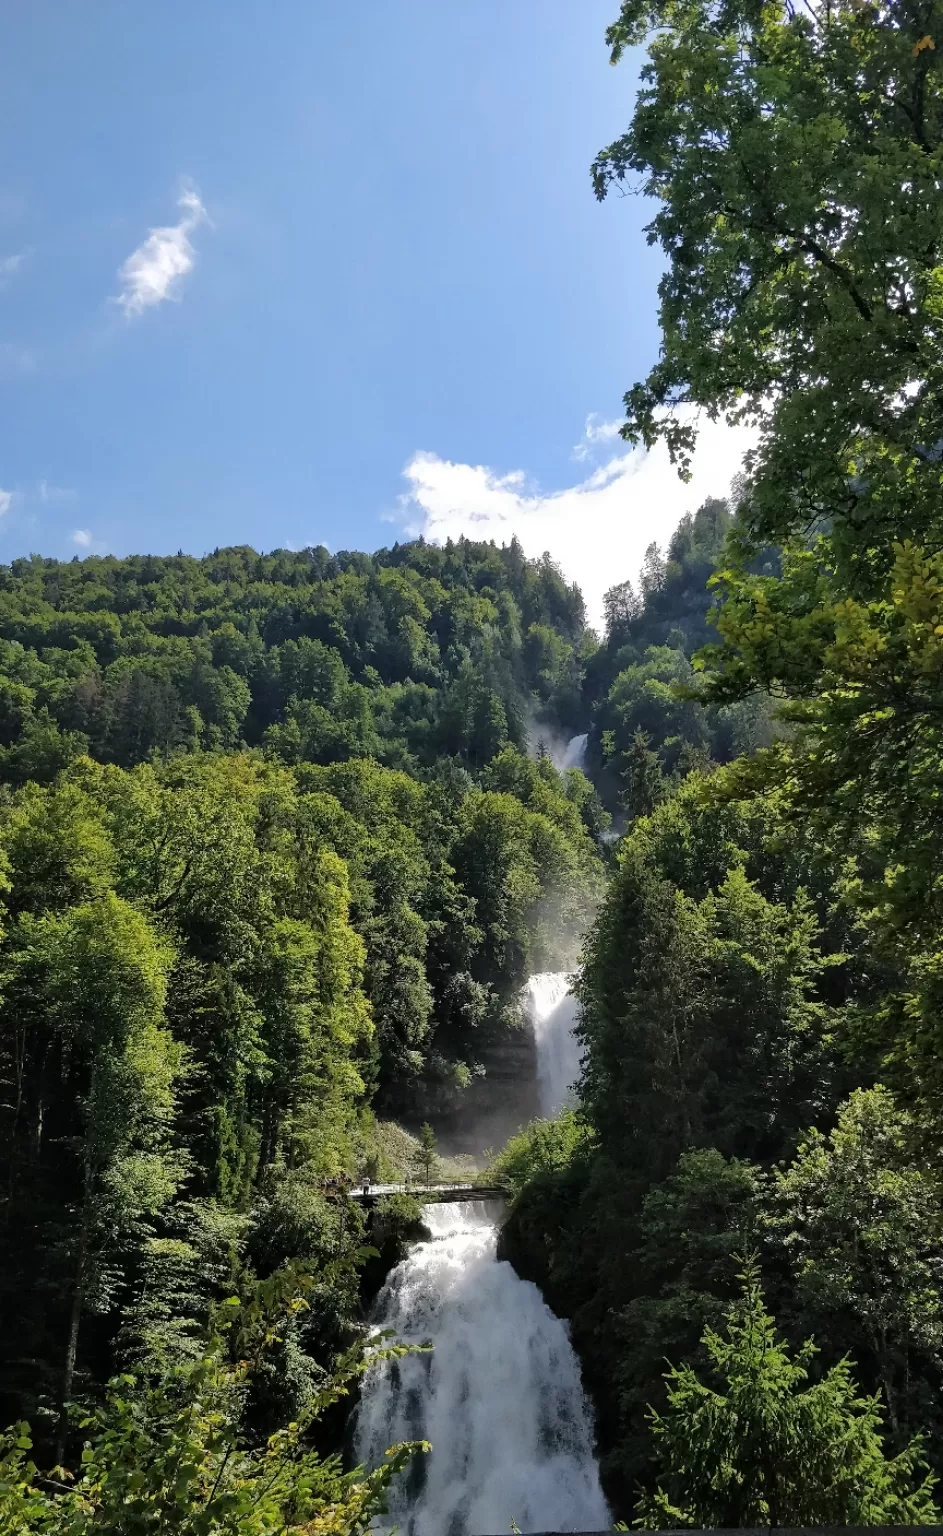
(275,865)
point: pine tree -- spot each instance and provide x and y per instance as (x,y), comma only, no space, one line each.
(426,1152)
(764,1448)
(644,778)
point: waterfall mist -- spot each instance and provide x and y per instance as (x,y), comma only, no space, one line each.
(499,1396)
(563,751)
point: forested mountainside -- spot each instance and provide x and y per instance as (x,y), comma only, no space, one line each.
(231,961)
(755,1146)
(409,655)
(263,884)
(274,860)
(649,728)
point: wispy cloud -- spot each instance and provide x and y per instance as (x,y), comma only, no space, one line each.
(29,502)
(82,537)
(47,492)
(156,270)
(10,266)
(598,530)
(596,431)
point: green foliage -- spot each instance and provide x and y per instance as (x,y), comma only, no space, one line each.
(689,1237)
(245,894)
(545,1147)
(770,940)
(406,655)
(271,847)
(862,1224)
(790,154)
(644,777)
(172,1454)
(763,1448)
(182,1002)
(645,699)
(674,1058)
(793,156)
(719,1002)
(650,726)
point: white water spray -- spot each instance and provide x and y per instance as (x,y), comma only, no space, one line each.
(553,1012)
(499,1396)
(575,754)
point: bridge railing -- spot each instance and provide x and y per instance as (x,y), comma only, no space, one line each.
(465,1189)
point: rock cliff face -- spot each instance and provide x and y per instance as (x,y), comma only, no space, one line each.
(497,1105)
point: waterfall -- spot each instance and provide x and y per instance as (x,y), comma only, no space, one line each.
(553,1013)
(575,754)
(499,1396)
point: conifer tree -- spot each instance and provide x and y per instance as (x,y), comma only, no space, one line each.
(765,1447)
(426,1153)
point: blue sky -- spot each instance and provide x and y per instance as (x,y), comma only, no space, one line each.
(390,271)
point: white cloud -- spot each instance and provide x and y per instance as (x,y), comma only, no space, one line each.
(10,265)
(82,537)
(155,271)
(597,531)
(6,502)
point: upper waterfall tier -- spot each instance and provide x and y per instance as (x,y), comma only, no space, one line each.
(553,1013)
(575,754)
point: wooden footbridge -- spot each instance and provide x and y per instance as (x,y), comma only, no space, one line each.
(426,1193)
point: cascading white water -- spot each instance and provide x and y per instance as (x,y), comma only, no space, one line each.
(499,1396)
(575,754)
(553,1012)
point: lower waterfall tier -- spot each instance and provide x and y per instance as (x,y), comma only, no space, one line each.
(499,1395)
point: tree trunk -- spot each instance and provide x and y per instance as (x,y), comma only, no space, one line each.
(75,1320)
